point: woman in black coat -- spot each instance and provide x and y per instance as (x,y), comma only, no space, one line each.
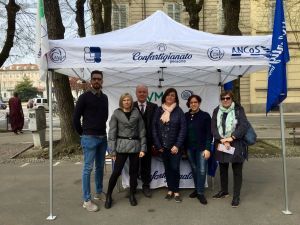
(229,125)
(169,131)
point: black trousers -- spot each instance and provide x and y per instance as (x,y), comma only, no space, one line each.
(119,164)
(237,169)
(145,168)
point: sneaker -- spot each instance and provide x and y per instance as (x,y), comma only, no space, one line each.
(235,202)
(177,199)
(90,206)
(221,194)
(169,196)
(202,199)
(100,196)
(193,194)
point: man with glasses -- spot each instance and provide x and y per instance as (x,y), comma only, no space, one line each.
(92,106)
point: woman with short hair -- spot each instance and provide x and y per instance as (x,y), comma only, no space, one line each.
(229,126)
(126,139)
(197,144)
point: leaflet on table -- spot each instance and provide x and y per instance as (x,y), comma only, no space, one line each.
(222,148)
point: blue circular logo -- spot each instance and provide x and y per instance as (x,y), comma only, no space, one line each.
(186,94)
(215,53)
(57,55)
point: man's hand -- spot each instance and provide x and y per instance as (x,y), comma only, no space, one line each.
(206,154)
(174,150)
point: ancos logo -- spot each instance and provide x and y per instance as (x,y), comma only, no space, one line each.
(57,55)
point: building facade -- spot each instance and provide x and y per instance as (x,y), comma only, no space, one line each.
(10,76)
(256,18)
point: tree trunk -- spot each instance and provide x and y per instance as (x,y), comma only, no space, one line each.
(80,17)
(231,10)
(61,82)
(193,8)
(11,8)
(107,5)
(96,8)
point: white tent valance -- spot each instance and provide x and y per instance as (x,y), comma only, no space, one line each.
(160,48)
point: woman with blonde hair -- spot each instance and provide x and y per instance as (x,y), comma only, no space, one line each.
(126,139)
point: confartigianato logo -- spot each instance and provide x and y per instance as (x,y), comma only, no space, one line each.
(250,51)
(171,57)
(161,175)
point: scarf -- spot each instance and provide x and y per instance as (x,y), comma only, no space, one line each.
(165,117)
(230,122)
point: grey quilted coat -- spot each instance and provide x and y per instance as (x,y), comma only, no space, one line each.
(126,136)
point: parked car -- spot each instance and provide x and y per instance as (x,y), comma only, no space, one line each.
(2,105)
(40,103)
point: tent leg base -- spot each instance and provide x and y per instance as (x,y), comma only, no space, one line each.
(51,217)
(287,212)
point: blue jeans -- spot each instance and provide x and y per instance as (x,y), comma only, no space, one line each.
(94,149)
(199,168)
(172,169)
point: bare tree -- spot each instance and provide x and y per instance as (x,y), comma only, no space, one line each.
(11,8)
(99,7)
(80,17)
(231,9)
(61,82)
(193,8)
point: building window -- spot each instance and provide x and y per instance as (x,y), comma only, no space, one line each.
(120,16)
(173,11)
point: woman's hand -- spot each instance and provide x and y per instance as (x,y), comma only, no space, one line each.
(227,145)
(206,154)
(229,139)
(174,150)
(142,154)
(161,150)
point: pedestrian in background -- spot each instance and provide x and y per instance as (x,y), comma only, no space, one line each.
(126,139)
(16,115)
(229,126)
(147,110)
(92,106)
(169,131)
(197,144)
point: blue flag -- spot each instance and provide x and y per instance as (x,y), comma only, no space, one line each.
(279,56)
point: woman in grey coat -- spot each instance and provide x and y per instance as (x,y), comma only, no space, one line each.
(126,139)
(229,126)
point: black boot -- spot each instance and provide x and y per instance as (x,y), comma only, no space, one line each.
(108,201)
(132,199)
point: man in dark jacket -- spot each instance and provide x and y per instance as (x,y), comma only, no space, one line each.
(147,110)
(92,106)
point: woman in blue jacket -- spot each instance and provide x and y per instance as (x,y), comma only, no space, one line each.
(198,144)
(169,131)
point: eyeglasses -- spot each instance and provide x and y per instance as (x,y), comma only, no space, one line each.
(225,98)
(98,79)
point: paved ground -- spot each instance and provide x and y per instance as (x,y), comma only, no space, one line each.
(24,194)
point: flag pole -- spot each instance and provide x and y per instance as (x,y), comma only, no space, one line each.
(50,217)
(286,211)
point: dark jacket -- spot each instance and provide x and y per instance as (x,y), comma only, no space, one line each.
(240,153)
(121,129)
(94,112)
(198,130)
(148,118)
(169,134)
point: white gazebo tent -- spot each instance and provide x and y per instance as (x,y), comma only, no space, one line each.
(159,52)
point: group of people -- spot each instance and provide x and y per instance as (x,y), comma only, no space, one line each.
(138,128)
